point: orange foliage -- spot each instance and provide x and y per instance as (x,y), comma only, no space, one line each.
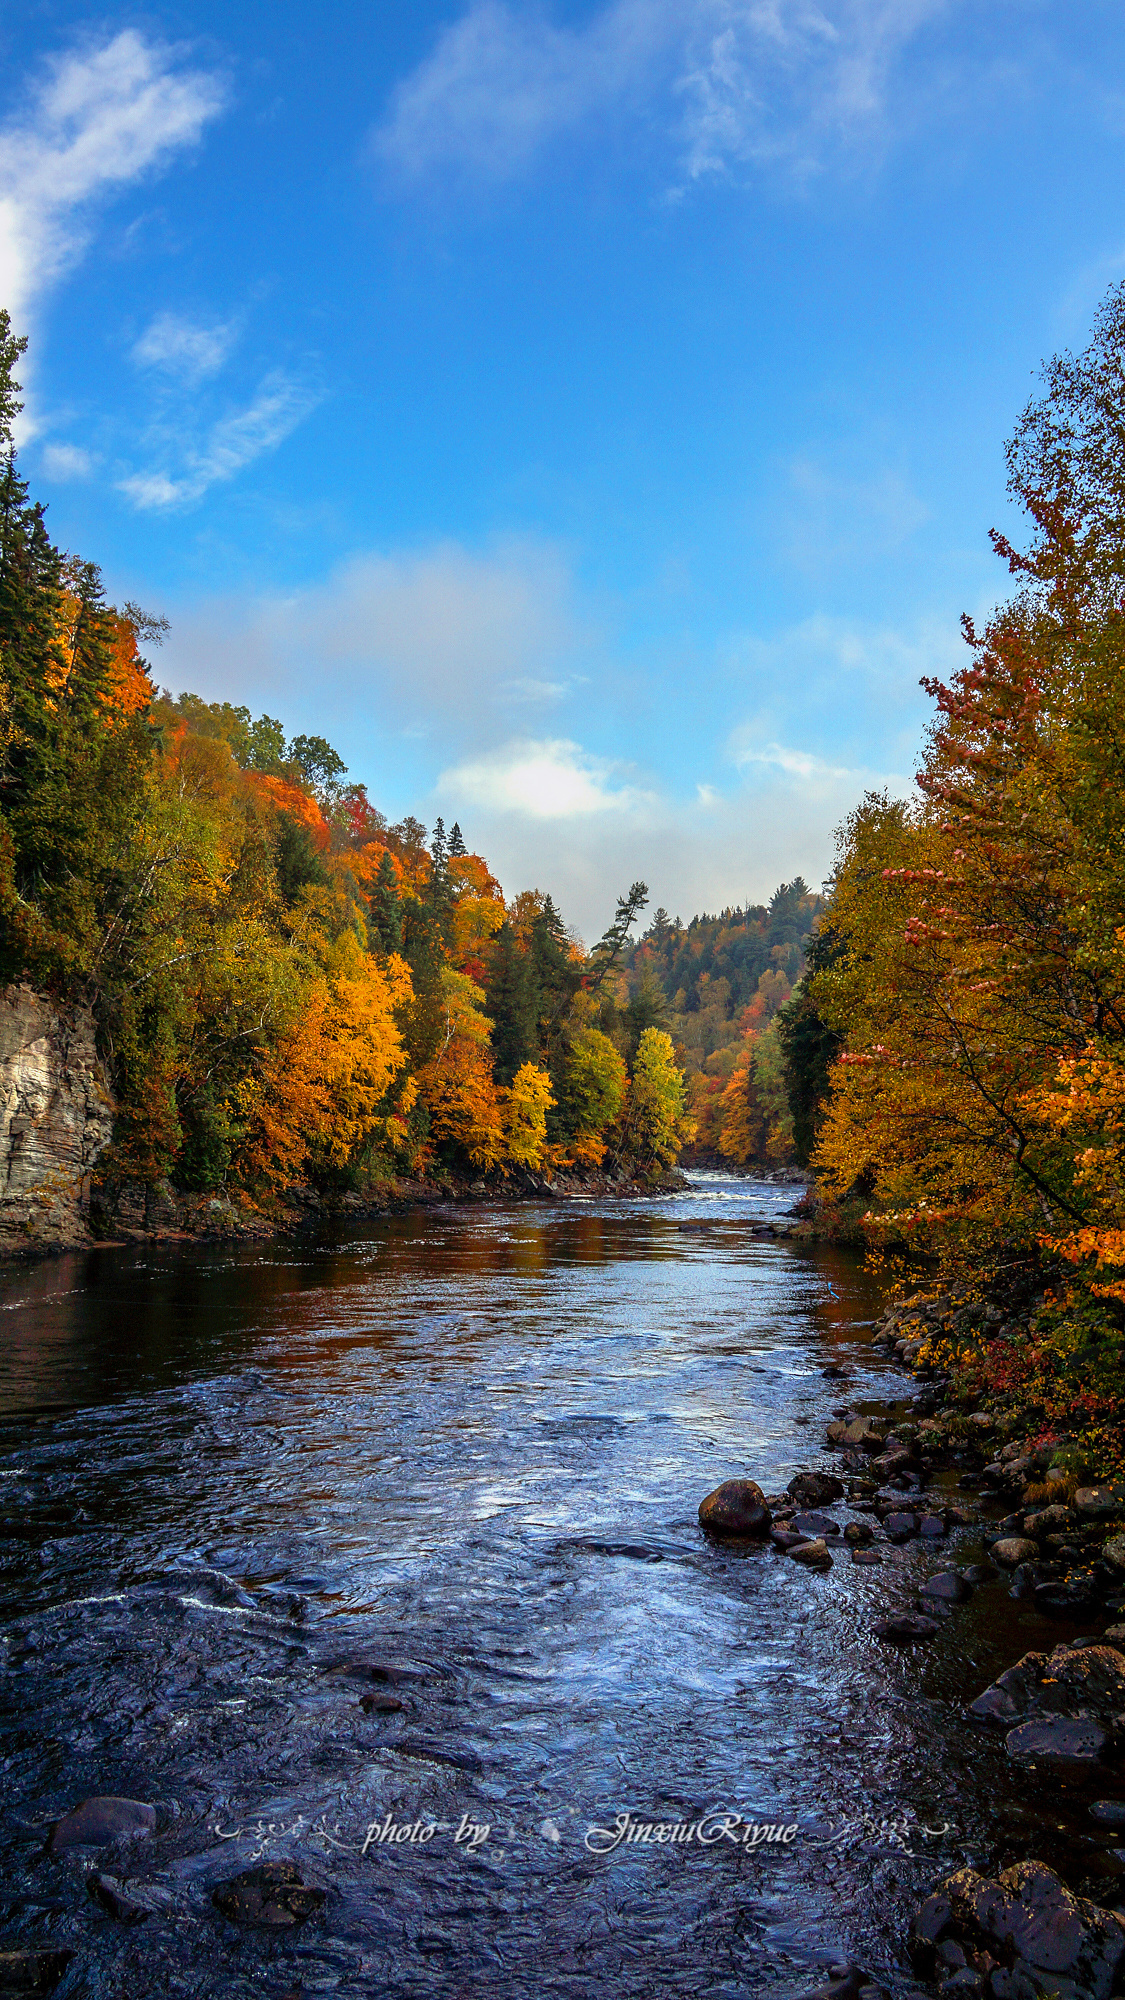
(291,799)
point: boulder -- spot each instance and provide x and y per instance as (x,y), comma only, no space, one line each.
(1013,1550)
(101,1821)
(1079,1682)
(1101,1502)
(1108,1812)
(815,1489)
(273,1896)
(932,1526)
(866,1556)
(737,1507)
(1047,1935)
(787,1538)
(1113,1552)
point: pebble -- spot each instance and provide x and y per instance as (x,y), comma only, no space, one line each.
(381,1704)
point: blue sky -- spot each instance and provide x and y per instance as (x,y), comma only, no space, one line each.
(589,417)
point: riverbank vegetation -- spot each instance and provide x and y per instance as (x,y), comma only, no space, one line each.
(956,1057)
(286,987)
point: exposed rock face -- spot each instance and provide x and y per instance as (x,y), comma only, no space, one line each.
(56,1117)
(1049,1940)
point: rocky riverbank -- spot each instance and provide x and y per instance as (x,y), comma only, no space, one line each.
(1061,1545)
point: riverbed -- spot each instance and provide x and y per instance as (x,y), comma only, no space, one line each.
(452,1462)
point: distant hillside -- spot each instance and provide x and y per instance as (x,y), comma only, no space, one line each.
(717,985)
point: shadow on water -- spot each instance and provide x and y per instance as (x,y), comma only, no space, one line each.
(455,1459)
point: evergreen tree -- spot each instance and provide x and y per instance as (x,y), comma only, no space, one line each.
(386,911)
(511,1005)
(456,844)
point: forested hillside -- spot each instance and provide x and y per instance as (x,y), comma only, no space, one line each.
(285,986)
(719,984)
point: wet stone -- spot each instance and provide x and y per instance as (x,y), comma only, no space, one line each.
(869,1556)
(932,1526)
(946,1586)
(858,1531)
(101,1821)
(737,1507)
(905,1627)
(381,1704)
(900,1527)
(1063,1745)
(1108,1812)
(816,1525)
(815,1489)
(1012,1550)
(812,1555)
(787,1538)
(273,1896)
(1101,1502)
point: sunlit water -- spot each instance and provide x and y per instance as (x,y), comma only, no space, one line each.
(468,1447)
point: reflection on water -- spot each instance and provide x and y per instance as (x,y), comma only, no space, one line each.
(464,1451)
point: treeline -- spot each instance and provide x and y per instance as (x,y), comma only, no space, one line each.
(719,985)
(957,1053)
(286,987)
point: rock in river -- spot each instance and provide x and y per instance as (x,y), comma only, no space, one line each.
(273,1896)
(947,1587)
(737,1507)
(816,1524)
(899,1527)
(99,1822)
(859,1531)
(1066,1747)
(905,1627)
(1013,1550)
(814,1555)
(1101,1502)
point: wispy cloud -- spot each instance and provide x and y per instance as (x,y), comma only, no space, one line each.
(63,462)
(102,116)
(176,347)
(231,444)
(733,81)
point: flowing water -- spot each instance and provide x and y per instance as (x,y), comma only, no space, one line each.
(455,1459)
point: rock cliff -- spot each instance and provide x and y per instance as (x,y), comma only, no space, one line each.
(56,1116)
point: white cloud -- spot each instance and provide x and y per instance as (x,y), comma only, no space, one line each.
(66,461)
(176,347)
(552,780)
(736,81)
(832,520)
(101,118)
(234,442)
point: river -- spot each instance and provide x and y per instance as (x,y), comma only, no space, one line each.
(464,1449)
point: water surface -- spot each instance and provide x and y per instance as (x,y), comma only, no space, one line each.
(465,1449)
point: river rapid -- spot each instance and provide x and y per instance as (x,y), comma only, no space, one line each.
(453,1461)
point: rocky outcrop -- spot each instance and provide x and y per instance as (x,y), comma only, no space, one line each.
(56,1117)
